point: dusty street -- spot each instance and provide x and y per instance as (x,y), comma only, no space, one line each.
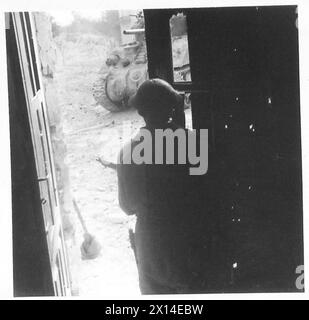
(90,131)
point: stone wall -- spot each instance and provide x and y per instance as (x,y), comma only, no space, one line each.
(50,58)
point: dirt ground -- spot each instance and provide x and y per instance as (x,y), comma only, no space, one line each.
(91,131)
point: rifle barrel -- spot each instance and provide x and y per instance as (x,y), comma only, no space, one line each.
(133,31)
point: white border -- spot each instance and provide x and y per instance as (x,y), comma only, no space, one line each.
(5,188)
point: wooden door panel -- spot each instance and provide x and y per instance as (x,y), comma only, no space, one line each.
(36,106)
(245,91)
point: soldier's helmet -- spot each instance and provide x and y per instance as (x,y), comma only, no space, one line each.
(155,97)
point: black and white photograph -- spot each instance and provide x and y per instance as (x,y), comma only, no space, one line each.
(155,150)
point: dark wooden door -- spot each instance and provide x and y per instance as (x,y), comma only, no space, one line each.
(245,90)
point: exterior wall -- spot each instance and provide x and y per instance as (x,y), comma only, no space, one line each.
(50,57)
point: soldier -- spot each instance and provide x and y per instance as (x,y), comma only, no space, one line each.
(158,194)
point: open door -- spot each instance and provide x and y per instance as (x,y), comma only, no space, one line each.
(244,87)
(24,30)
